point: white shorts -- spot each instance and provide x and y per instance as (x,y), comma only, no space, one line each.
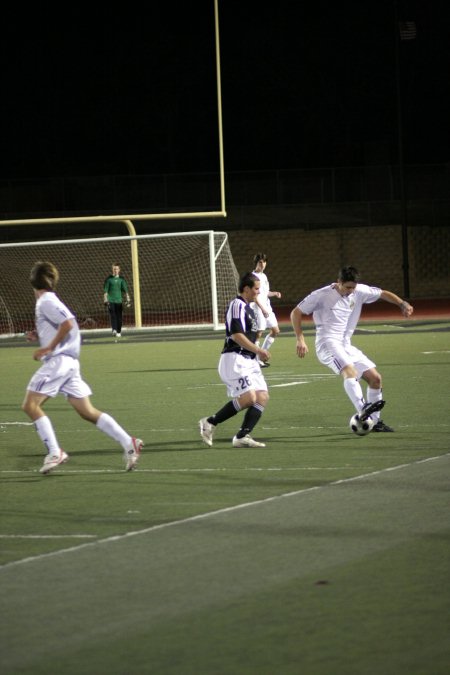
(240,374)
(60,375)
(336,356)
(265,322)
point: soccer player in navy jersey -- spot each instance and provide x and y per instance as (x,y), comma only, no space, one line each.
(239,369)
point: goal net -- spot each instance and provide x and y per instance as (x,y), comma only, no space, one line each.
(177,280)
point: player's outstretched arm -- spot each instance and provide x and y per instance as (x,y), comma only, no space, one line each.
(404,306)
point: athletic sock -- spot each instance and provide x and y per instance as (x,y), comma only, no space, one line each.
(374,395)
(109,426)
(354,392)
(230,409)
(47,434)
(268,342)
(251,419)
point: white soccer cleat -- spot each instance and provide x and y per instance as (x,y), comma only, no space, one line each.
(52,461)
(247,442)
(133,453)
(206,431)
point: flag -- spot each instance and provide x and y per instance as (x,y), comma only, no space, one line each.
(408,30)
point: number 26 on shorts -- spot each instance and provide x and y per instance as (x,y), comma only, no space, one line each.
(244,382)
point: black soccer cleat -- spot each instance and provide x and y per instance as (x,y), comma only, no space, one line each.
(381,426)
(369,408)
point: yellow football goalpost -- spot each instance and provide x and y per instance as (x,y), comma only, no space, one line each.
(127,219)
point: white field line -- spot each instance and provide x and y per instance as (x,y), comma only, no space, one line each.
(203,516)
(16,424)
(48,536)
(289,384)
(66,471)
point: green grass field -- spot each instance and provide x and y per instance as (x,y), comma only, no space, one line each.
(323,553)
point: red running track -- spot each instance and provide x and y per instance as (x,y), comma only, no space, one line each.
(438,308)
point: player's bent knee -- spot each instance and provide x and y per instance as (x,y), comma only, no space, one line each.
(30,407)
(247,400)
(373,379)
(252,398)
(262,398)
(375,382)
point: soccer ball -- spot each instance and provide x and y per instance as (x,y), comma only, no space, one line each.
(361,428)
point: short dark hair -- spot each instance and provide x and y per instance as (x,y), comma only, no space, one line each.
(258,257)
(248,279)
(348,273)
(44,276)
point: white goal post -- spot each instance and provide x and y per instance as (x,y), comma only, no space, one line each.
(176,280)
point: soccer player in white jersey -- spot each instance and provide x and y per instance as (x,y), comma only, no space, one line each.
(59,337)
(265,315)
(239,369)
(336,310)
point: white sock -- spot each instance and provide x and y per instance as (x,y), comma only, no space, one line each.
(268,342)
(354,392)
(47,435)
(109,426)
(372,396)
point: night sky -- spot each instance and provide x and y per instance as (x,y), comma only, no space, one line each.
(126,91)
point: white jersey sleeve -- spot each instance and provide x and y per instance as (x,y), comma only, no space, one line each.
(314,300)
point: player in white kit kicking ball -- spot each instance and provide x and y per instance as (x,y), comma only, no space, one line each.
(336,310)
(59,337)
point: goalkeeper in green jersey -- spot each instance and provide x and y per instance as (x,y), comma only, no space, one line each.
(115,288)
